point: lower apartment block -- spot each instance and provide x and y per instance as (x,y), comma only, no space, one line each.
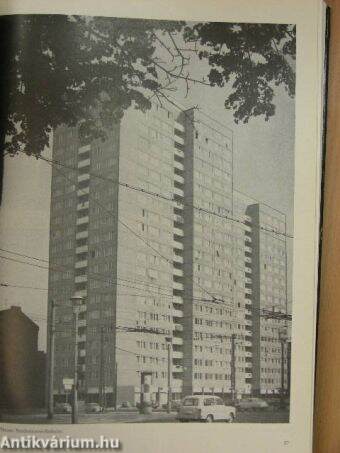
(171,262)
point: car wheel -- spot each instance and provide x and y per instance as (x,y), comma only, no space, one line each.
(231,417)
(209,418)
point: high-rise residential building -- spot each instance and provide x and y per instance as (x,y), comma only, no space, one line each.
(211,309)
(266,277)
(146,227)
(269,286)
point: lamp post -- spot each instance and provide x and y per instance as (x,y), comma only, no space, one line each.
(76,301)
(233,367)
(283,339)
(169,344)
(50,376)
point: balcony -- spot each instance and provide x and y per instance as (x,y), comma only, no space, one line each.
(177,300)
(81,264)
(248,249)
(83,177)
(177,341)
(81,338)
(177,369)
(82,235)
(82,220)
(178,328)
(179,126)
(178,192)
(178,178)
(80,279)
(177,385)
(177,313)
(83,163)
(178,259)
(82,353)
(177,245)
(83,307)
(179,140)
(84,191)
(178,165)
(178,218)
(178,232)
(179,205)
(84,149)
(84,205)
(178,286)
(179,153)
(82,249)
(177,272)
(82,323)
(177,355)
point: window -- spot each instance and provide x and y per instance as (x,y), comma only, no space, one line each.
(190,402)
(209,402)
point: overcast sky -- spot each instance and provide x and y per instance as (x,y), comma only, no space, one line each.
(263,168)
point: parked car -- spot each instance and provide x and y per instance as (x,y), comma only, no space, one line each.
(63,408)
(126,405)
(205,408)
(252,404)
(175,405)
(278,403)
(93,408)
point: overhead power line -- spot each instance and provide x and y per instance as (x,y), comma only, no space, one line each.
(169,261)
(171,199)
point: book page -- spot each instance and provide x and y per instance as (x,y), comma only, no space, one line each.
(159,224)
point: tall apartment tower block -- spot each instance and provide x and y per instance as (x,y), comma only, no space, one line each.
(148,228)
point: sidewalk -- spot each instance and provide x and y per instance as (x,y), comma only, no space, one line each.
(106,417)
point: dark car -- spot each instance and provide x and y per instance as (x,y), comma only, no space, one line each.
(93,408)
(252,404)
(63,408)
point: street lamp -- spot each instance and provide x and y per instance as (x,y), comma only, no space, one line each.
(283,339)
(168,341)
(77,301)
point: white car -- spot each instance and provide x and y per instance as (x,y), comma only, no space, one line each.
(205,408)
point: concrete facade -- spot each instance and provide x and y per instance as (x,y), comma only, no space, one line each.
(172,248)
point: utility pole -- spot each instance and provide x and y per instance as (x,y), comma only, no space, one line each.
(101,369)
(50,402)
(115,384)
(282,393)
(169,344)
(77,301)
(289,355)
(233,367)
(75,377)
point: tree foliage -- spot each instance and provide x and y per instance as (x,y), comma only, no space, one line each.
(253,58)
(88,70)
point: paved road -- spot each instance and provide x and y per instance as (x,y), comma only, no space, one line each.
(279,416)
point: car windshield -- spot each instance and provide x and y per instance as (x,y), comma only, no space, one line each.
(190,402)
